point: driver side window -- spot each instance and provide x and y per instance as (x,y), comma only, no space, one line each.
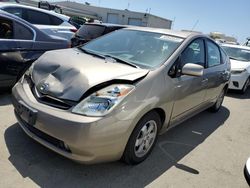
(194,53)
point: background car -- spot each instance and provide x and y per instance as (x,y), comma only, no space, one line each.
(247,43)
(90,31)
(247,171)
(240,63)
(115,94)
(48,21)
(21,44)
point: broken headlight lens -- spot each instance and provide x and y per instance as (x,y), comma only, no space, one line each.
(103,101)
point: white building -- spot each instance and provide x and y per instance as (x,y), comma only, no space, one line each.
(107,15)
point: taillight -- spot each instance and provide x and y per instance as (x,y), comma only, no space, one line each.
(69,45)
(73,30)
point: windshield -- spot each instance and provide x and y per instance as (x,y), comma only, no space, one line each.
(143,49)
(237,53)
(90,31)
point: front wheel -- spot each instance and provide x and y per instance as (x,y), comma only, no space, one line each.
(216,107)
(142,139)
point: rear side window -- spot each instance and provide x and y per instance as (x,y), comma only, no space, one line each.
(16,11)
(22,32)
(6,29)
(55,21)
(110,29)
(90,31)
(36,17)
(213,54)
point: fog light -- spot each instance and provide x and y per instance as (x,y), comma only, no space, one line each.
(236,84)
(66,147)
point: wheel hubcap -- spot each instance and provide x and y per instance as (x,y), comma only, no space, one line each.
(145,138)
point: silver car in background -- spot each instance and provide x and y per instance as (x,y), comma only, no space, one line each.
(51,23)
(240,66)
(109,99)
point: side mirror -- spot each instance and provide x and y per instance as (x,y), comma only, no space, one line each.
(192,69)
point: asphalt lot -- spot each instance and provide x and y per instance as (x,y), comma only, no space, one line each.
(208,150)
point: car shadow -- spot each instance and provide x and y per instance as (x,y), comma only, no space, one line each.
(5,99)
(236,94)
(48,169)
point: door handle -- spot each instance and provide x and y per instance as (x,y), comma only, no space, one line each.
(18,49)
(204,80)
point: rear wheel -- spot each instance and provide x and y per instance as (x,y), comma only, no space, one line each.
(142,139)
(216,107)
(244,89)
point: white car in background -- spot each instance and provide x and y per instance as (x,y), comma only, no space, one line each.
(49,22)
(240,66)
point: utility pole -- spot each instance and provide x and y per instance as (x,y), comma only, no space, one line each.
(173,23)
(197,21)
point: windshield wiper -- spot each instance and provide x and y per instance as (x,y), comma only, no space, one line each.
(117,59)
(91,53)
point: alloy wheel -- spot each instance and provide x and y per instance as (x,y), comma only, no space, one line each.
(145,138)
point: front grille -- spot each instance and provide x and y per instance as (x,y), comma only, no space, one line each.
(54,141)
(49,100)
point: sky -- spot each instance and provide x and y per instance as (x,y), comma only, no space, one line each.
(231,17)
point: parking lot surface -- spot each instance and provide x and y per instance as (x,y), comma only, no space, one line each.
(208,150)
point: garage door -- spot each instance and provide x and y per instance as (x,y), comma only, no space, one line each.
(112,18)
(135,21)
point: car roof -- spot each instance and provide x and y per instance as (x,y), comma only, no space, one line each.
(63,17)
(181,34)
(236,46)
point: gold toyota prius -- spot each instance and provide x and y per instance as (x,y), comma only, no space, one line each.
(110,98)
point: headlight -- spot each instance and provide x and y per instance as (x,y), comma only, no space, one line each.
(103,101)
(27,73)
(238,71)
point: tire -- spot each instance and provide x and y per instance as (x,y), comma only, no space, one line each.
(244,89)
(217,105)
(143,139)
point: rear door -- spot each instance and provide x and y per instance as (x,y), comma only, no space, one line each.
(16,45)
(25,37)
(216,70)
(9,57)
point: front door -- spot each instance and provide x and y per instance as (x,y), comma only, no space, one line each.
(189,90)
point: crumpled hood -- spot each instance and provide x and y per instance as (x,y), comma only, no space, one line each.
(239,64)
(68,74)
